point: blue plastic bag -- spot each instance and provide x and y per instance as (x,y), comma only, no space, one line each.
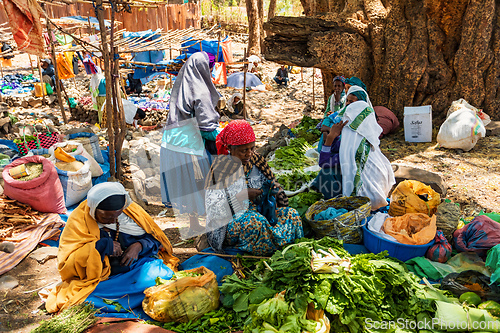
(267,203)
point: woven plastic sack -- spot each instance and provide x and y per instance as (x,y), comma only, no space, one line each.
(478,236)
(43,193)
(346,227)
(184,299)
(411,228)
(411,196)
(90,142)
(95,168)
(75,184)
(441,250)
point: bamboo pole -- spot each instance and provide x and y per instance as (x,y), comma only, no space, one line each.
(41,81)
(107,75)
(56,72)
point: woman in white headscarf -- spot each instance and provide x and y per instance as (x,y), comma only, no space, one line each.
(365,170)
(105,235)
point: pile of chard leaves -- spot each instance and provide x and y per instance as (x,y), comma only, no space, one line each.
(377,287)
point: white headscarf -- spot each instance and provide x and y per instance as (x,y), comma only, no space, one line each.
(369,128)
(102,191)
(231,99)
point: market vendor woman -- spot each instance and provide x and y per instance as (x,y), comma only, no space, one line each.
(234,185)
(106,235)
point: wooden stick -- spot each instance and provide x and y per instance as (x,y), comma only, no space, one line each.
(56,72)
(218,46)
(1,67)
(314,99)
(107,75)
(244,87)
(41,81)
(301,74)
(31,65)
(230,255)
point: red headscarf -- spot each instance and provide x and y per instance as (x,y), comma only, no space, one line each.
(237,132)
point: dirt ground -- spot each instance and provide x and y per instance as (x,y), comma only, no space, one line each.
(473,179)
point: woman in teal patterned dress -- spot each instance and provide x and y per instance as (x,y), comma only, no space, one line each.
(234,186)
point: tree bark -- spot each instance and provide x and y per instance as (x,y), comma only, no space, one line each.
(407,52)
(272,9)
(253,27)
(260,5)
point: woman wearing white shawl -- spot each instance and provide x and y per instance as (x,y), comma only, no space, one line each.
(365,170)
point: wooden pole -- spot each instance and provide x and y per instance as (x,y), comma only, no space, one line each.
(120,125)
(301,74)
(218,46)
(31,65)
(56,72)
(244,86)
(1,67)
(41,81)
(314,99)
(107,74)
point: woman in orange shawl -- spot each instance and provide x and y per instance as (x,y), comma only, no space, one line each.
(106,227)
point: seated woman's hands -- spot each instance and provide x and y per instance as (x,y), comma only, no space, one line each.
(117,249)
(335,131)
(131,254)
(250,194)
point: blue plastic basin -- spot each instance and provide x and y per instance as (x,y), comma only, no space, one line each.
(403,252)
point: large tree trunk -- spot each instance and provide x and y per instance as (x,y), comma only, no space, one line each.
(408,52)
(260,5)
(272,9)
(253,27)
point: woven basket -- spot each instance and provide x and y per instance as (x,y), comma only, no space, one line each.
(346,227)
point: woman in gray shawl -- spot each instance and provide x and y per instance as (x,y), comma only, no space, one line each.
(188,140)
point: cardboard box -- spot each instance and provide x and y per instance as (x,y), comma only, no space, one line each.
(418,123)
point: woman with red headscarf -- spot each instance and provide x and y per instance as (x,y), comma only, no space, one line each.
(234,193)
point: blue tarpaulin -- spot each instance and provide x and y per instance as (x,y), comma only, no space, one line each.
(235,80)
(93,21)
(209,46)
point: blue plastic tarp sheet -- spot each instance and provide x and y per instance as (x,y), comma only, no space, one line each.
(93,20)
(147,56)
(127,289)
(236,80)
(209,46)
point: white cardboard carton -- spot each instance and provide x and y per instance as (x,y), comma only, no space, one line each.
(418,123)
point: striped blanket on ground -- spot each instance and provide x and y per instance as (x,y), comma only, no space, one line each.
(27,240)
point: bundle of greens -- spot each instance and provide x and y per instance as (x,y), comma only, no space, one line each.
(292,156)
(302,201)
(306,129)
(75,319)
(356,288)
(219,321)
(295,180)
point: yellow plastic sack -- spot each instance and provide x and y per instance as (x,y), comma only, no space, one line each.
(405,199)
(65,70)
(187,298)
(411,228)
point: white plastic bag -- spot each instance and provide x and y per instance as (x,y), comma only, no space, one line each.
(95,168)
(75,184)
(462,127)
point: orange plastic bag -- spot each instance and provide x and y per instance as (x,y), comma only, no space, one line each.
(408,197)
(184,299)
(411,228)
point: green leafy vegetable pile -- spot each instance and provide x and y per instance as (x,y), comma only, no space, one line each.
(219,321)
(302,201)
(373,287)
(292,156)
(295,180)
(306,129)
(75,319)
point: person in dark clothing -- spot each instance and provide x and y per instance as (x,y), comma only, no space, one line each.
(48,73)
(281,77)
(134,85)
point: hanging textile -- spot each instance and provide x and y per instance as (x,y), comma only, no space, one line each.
(64,68)
(24,20)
